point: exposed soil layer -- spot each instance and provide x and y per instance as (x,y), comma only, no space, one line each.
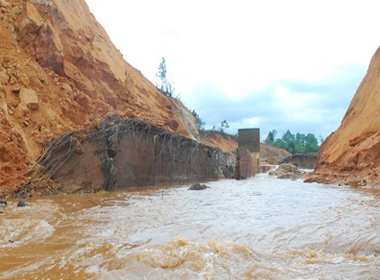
(351,154)
(117,154)
(225,142)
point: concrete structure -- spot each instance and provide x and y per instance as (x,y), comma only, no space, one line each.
(249,138)
(248,153)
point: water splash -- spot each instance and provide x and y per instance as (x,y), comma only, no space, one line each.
(258,228)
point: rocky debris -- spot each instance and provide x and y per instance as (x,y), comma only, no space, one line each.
(3,204)
(22,203)
(29,98)
(288,171)
(198,187)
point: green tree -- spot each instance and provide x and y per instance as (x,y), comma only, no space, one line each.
(280,143)
(298,143)
(288,136)
(165,86)
(289,139)
(223,126)
(311,144)
(271,137)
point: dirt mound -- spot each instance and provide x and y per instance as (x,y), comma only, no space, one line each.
(288,171)
(351,154)
(272,154)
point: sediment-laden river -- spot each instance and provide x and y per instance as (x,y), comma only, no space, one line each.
(258,228)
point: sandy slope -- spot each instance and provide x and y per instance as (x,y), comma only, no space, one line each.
(351,155)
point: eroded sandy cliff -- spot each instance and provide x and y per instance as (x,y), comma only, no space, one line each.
(59,71)
(351,154)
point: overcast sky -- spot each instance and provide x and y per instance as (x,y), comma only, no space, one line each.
(268,64)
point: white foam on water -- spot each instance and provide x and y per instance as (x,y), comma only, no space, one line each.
(256,228)
(22,231)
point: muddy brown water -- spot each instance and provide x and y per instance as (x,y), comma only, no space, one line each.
(261,228)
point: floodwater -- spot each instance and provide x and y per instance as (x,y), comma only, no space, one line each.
(261,228)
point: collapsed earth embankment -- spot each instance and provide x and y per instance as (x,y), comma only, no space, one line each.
(60,72)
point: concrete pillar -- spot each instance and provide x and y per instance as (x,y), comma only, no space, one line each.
(248,153)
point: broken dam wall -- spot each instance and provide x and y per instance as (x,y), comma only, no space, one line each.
(306,161)
(120,154)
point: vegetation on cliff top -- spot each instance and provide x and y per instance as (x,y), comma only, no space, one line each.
(166,87)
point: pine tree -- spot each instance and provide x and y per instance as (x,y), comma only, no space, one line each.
(165,86)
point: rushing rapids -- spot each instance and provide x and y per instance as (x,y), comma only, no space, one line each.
(257,228)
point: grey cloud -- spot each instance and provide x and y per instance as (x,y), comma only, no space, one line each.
(320,117)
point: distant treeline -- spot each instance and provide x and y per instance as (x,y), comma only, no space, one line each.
(294,143)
